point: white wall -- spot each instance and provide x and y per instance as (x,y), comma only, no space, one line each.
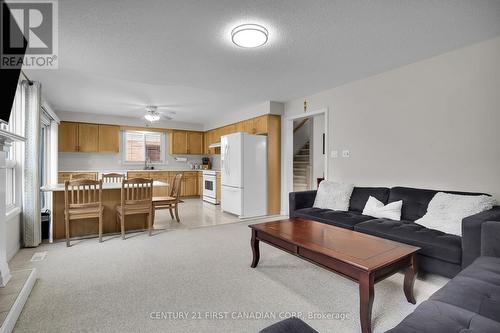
(431,124)
(268,107)
(13,234)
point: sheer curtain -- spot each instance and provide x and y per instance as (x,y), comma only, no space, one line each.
(31,183)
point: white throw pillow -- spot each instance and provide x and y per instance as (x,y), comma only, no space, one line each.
(376,208)
(333,195)
(446,211)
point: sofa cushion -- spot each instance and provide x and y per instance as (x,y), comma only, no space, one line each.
(486,269)
(433,243)
(360,195)
(415,201)
(472,294)
(435,316)
(333,217)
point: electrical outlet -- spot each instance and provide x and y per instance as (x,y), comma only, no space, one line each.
(346,153)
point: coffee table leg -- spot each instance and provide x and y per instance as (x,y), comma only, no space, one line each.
(366,294)
(410,275)
(254,242)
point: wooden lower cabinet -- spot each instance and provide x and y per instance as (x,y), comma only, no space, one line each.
(63,176)
(218,187)
(190,184)
(138,174)
(162,176)
(200,184)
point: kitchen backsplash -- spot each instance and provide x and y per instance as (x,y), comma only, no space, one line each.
(101,161)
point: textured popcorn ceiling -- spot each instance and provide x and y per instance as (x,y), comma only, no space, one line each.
(114,54)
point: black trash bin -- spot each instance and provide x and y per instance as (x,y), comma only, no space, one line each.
(45,224)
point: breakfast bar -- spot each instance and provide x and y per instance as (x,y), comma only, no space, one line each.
(111,196)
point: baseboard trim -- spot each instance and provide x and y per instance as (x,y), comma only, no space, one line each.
(15,311)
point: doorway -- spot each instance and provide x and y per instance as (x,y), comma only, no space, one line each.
(305,152)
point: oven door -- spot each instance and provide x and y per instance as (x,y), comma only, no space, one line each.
(209,186)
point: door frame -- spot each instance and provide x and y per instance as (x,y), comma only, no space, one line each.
(288,151)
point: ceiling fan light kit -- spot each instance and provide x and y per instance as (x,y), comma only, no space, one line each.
(152,116)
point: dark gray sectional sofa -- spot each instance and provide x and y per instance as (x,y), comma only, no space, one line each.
(440,253)
(470,302)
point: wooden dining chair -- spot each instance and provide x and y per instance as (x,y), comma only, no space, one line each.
(83,175)
(82,200)
(172,201)
(136,196)
(113,177)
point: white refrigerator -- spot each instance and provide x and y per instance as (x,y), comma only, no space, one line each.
(244,174)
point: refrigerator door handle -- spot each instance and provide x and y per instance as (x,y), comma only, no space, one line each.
(222,161)
(229,161)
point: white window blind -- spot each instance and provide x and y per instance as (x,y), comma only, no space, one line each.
(142,146)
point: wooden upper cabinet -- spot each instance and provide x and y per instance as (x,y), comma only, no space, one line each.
(109,139)
(240,127)
(248,126)
(260,124)
(88,138)
(186,143)
(195,143)
(178,142)
(68,137)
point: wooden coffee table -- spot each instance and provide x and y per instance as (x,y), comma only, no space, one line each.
(360,257)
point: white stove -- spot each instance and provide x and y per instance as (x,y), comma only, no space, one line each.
(209,186)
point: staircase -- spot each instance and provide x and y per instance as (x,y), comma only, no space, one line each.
(301,169)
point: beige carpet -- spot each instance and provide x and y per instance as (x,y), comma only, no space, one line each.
(144,283)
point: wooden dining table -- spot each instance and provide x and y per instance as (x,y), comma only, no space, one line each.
(111,197)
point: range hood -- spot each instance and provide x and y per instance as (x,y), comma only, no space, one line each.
(214,145)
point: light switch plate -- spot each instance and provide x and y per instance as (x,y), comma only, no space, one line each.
(335,153)
(346,153)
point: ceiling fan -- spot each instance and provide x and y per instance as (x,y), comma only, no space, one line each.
(153,115)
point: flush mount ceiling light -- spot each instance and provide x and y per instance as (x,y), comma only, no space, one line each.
(249,35)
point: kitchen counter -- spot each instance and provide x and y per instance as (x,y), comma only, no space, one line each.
(134,170)
(111,198)
(105,186)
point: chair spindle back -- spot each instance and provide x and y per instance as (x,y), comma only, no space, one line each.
(112,178)
(82,193)
(175,191)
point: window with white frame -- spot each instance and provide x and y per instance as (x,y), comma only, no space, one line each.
(16,126)
(139,147)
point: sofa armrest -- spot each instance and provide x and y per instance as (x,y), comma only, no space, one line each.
(490,236)
(298,200)
(471,234)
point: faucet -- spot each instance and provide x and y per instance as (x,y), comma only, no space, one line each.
(147,161)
